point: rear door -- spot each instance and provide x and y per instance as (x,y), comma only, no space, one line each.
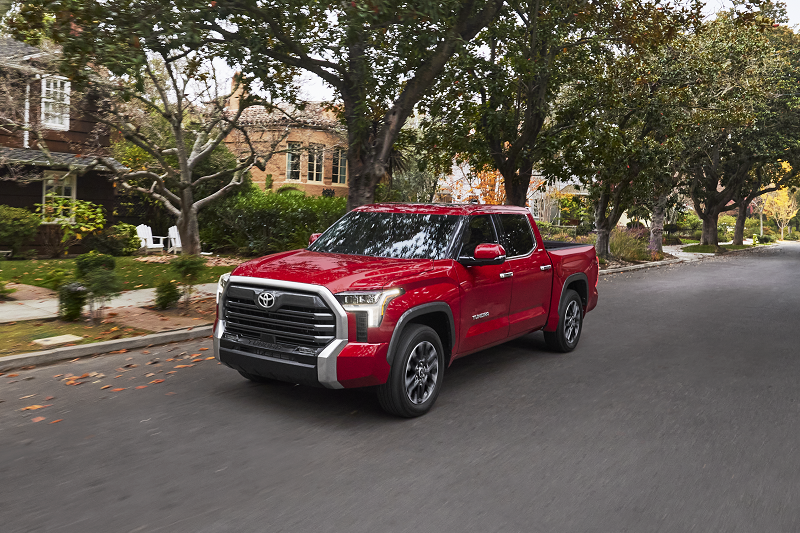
(485,295)
(530,272)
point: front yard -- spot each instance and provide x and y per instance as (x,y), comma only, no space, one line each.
(134,274)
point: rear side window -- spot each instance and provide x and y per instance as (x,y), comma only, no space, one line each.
(517,235)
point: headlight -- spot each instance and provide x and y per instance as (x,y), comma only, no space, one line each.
(223,280)
(372,302)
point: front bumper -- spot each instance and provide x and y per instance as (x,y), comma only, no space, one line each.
(338,365)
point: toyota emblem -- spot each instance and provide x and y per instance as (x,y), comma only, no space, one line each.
(266,300)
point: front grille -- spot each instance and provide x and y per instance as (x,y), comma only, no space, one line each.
(295,319)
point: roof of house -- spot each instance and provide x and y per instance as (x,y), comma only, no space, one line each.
(57,160)
(313,115)
(15,52)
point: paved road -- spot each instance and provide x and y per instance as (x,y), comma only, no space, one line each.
(678,412)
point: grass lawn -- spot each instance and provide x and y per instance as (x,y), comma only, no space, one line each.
(18,337)
(133,274)
(708,249)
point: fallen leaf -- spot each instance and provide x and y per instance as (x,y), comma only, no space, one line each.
(196,360)
(203,349)
(169,394)
(49,398)
(210,358)
(34,407)
(142,387)
(149,375)
(171,372)
(38,419)
(115,377)
(58,375)
(105,387)
(195,355)
(157,381)
(119,389)
(28,396)
(145,351)
(12,375)
(56,421)
(183,366)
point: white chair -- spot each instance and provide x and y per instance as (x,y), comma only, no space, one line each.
(174,242)
(148,240)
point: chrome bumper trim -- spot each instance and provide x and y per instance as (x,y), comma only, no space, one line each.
(326,360)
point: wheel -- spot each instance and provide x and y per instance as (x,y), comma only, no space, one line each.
(254,377)
(565,338)
(416,376)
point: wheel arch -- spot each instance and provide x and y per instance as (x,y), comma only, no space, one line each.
(579,283)
(437,316)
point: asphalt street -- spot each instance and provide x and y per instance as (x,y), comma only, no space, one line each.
(678,412)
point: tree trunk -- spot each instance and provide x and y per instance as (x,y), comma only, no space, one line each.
(761,223)
(741,217)
(603,245)
(710,235)
(657,224)
(188,227)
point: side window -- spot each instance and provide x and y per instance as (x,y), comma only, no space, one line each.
(480,230)
(517,235)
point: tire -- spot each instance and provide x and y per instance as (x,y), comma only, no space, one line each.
(416,375)
(255,378)
(570,324)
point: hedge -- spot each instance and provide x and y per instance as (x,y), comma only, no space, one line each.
(258,223)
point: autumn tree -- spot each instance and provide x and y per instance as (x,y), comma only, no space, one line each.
(781,206)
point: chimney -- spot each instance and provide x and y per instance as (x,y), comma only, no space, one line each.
(237,92)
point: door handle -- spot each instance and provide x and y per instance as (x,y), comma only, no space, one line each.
(545,267)
(504,275)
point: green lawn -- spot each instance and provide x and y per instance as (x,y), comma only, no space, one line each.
(708,249)
(18,337)
(134,274)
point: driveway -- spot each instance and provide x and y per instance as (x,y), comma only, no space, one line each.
(678,412)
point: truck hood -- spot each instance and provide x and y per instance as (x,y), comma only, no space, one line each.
(337,272)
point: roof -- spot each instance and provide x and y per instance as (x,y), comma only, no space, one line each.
(314,115)
(15,52)
(60,160)
(443,209)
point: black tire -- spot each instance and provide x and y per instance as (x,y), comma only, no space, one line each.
(255,378)
(570,316)
(416,375)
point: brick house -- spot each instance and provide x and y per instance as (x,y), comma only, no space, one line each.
(313,156)
(36,105)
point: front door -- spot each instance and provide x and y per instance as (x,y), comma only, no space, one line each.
(485,294)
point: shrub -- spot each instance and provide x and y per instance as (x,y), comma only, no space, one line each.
(259,223)
(102,285)
(693,222)
(167,294)
(670,240)
(70,222)
(697,236)
(56,278)
(71,299)
(188,268)
(626,245)
(119,239)
(87,263)
(793,236)
(17,227)
(765,239)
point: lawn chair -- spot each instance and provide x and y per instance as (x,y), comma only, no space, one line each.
(148,240)
(174,242)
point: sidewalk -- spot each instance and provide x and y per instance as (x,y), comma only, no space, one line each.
(47,307)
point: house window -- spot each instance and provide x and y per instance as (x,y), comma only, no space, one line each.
(315,162)
(293,162)
(339,166)
(56,185)
(55,103)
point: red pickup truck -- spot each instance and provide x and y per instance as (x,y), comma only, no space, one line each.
(391,294)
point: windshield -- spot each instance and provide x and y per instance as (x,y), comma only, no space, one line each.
(395,235)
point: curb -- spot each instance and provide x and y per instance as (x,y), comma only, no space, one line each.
(83,350)
(641,267)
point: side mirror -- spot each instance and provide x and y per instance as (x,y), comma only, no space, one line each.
(314,237)
(485,254)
